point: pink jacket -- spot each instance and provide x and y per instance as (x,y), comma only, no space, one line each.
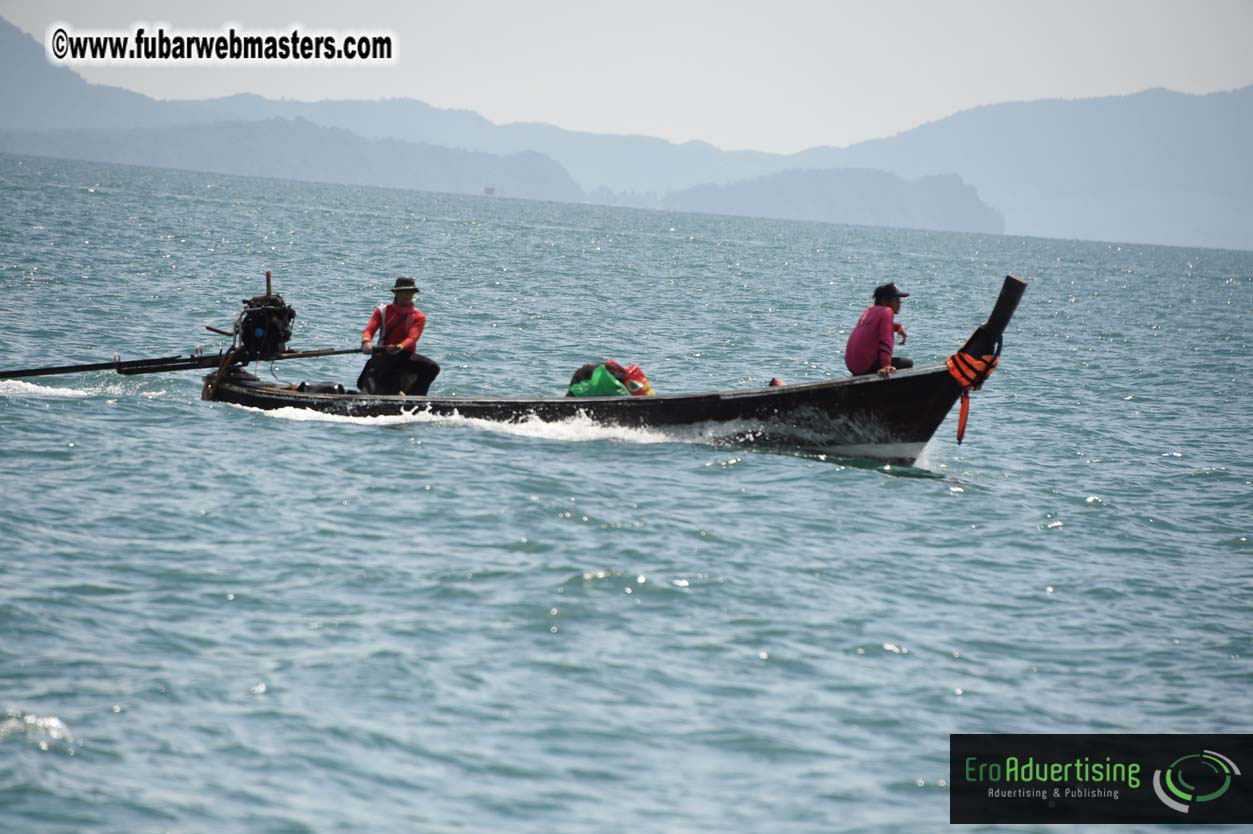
(871,338)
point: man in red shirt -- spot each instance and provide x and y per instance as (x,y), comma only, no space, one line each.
(399,368)
(869,348)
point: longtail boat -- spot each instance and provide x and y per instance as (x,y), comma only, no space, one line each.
(890,419)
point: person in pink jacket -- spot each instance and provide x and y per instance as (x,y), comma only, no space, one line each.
(869,348)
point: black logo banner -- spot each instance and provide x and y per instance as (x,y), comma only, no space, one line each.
(1195,779)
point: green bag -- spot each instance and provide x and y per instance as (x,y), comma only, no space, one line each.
(601,384)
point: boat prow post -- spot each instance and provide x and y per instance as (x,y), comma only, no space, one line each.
(987,336)
(975,360)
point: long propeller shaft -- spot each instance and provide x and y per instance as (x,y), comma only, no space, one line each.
(162,364)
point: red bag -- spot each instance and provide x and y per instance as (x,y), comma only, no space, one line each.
(633,378)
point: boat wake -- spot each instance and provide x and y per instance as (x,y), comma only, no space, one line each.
(18,388)
(813,441)
(576,429)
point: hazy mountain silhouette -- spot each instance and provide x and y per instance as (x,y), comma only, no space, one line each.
(1156,167)
(34,94)
(51,111)
(301,150)
(615,162)
(849,195)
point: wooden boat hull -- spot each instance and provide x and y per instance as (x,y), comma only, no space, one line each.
(884,419)
(888,419)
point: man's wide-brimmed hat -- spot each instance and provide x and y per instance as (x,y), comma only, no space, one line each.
(886,292)
(404,282)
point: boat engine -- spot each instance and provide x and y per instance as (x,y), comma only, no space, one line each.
(264,326)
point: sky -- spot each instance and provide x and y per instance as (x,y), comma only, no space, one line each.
(768,75)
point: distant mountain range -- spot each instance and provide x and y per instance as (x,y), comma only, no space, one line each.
(848,195)
(300,150)
(1155,167)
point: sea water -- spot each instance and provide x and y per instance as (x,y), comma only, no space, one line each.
(225,620)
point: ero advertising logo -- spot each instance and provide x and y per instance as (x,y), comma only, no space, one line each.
(1210,773)
(1100,778)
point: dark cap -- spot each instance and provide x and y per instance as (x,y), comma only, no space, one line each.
(404,282)
(886,292)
